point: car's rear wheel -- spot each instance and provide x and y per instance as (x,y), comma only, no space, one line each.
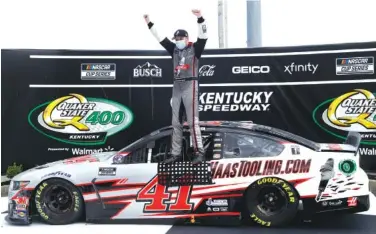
(58,202)
(271,202)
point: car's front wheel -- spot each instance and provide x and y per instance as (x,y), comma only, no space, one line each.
(58,202)
(271,202)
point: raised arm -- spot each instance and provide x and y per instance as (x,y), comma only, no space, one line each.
(165,42)
(202,37)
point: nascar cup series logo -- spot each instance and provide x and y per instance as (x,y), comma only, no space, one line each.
(98,71)
(80,120)
(352,111)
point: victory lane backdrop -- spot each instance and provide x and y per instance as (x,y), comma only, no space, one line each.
(46,124)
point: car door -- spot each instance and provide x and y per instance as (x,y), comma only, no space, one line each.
(137,167)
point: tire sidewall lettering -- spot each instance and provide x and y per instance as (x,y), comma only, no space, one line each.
(290,199)
(260,221)
(76,206)
(283,184)
(267,180)
(39,202)
(76,200)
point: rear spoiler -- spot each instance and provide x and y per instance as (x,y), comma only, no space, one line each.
(351,145)
(353,139)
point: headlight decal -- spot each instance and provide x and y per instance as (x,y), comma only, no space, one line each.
(17,185)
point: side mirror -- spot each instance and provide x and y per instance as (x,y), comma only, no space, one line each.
(150,145)
(237,151)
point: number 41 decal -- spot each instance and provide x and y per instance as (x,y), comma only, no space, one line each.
(156,196)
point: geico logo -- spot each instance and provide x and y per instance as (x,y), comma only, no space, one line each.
(250,69)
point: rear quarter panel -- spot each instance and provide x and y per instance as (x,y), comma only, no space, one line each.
(301,169)
(293,168)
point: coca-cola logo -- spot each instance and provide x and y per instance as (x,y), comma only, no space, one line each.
(207,70)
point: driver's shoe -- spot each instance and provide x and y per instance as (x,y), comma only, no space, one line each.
(198,159)
(172,159)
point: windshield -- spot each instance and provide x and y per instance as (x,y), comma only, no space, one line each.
(122,150)
(288,136)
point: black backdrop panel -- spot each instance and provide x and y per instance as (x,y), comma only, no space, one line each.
(241,84)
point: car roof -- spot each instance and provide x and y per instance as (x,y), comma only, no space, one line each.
(252,127)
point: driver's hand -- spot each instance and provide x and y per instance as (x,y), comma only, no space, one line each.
(146,18)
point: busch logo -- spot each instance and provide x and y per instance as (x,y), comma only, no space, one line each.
(147,70)
(207,70)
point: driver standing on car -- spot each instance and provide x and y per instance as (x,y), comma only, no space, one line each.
(185,56)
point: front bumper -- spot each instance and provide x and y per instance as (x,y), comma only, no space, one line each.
(14,221)
(19,208)
(354,204)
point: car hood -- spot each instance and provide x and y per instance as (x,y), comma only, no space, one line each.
(92,158)
(96,157)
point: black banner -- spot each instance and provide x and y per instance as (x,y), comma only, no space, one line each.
(58,104)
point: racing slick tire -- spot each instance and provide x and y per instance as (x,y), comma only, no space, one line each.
(58,202)
(271,202)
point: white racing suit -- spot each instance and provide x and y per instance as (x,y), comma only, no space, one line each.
(185,89)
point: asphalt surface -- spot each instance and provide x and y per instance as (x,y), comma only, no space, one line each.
(333,224)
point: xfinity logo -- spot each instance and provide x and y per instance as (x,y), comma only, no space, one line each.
(292,68)
(250,69)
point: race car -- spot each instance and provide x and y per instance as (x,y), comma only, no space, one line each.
(256,173)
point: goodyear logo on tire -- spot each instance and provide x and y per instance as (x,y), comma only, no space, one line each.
(352,111)
(80,120)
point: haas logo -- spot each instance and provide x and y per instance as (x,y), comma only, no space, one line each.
(206,70)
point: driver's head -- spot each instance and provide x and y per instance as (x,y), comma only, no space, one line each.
(181,38)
